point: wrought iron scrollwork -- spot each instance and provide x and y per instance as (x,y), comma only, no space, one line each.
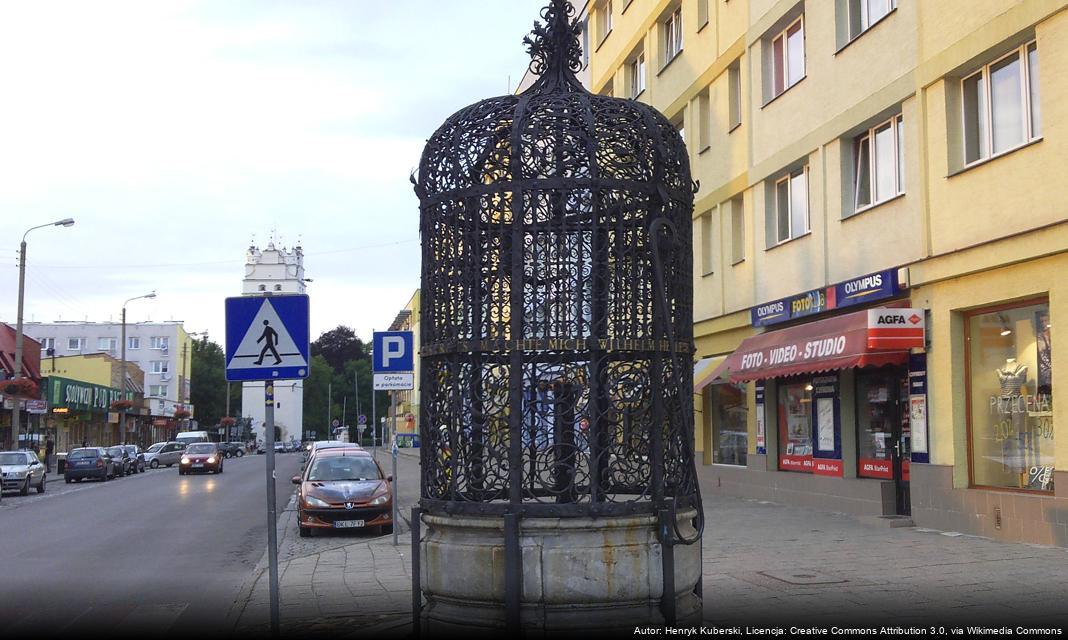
(556,320)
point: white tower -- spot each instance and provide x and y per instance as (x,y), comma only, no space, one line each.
(274,271)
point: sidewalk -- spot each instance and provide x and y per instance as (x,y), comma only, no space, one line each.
(762,562)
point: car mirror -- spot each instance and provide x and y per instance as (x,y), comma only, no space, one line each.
(389,478)
(296,479)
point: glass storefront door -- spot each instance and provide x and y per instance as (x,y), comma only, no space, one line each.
(883,436)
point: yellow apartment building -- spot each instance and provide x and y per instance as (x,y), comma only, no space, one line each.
(406,418)
(878,247)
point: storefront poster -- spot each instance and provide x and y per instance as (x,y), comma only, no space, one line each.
(918,423)
(825,423)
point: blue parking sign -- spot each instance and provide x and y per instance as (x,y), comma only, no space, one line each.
(393,351)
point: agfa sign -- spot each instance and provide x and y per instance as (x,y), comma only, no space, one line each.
(896,328)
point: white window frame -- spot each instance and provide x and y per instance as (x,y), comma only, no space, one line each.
(788,179)
(133,343)
(737,205)
(672,32)
(637,75)
(865,16)
(80,341)
(157,390)
(604,21)
(47,343)
(708,247)
(785,60)
(159,343)
(734,95)
(161,366)
(702,13)
(1026,111)
(107,344)
(867,138)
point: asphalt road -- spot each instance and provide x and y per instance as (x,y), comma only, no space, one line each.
(153,552)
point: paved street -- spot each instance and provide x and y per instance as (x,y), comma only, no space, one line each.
(151,552)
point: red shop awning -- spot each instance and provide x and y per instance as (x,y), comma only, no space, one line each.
(825,345)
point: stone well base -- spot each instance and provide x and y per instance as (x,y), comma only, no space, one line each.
(579,574)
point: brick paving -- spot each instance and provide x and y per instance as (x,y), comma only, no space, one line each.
(762,563)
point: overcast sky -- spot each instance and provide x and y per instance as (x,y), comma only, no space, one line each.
(177,132)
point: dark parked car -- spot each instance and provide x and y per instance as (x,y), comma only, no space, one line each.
(232,449)
(239,448)
(123,462)
(344,489)
(89,462)
(201,456)
(137,458)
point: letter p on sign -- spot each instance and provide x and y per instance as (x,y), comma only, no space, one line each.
(393,351)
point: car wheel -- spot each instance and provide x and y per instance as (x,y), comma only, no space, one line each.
(386,529)
(41,487)
(170,465)
(67,479)
(25,490)
(155,464)
(240,453)
(305,532)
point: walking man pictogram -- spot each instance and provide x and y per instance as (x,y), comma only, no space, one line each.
(271,336)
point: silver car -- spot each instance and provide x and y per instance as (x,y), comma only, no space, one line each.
(20,470)
(169,454)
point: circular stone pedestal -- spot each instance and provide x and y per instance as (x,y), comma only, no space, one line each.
(579,574)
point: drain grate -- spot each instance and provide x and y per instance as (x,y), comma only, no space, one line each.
(802,577)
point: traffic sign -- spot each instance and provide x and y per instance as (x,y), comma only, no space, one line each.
(394,351)
(362,419)
(394,381)
(267,337)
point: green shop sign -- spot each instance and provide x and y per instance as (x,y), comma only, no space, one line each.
(82,396)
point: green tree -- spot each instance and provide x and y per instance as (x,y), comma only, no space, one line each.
(316,413)
(207,380)
(338,346)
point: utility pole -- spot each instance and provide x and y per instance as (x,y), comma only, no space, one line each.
(329,409)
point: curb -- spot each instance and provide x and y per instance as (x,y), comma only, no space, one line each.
(237,608)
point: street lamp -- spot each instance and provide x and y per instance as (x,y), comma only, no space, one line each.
(15,415)
(122,384)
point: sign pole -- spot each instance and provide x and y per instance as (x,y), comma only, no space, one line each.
(272,523)
(396,495)
(374,422)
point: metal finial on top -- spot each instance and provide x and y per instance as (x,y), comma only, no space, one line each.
(554,46)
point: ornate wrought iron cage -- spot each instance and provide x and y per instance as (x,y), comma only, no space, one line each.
(556,320)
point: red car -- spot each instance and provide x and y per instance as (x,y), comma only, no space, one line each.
(344,489)
(201,457)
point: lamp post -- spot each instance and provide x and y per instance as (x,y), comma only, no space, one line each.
(15,415)
(122,384)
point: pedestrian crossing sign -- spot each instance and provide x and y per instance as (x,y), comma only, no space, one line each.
(267,337)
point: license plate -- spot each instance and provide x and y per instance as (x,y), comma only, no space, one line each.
(198,466)
(347,524)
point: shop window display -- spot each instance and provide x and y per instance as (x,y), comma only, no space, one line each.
(1010,373)
(795,426)
(730,435)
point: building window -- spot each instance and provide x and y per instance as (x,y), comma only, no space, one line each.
(734,94)
(737,230)
(107,344)
(730,433)
(160,366)
(702,13)
(75,344)
(604,20)
(637,75)
(704,119)
(47,343)
(791,205)
(865,13)
(795,426)
(158,342)
(133,343)
(671,32)
(1009,364)
(708,246)
(585,42)
(878,164)
(785,65)
(1000,105)
(157,390)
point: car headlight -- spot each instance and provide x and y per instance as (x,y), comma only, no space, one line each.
(211,460)
(18,474)
(382,499)
(312,501)
(185,460)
